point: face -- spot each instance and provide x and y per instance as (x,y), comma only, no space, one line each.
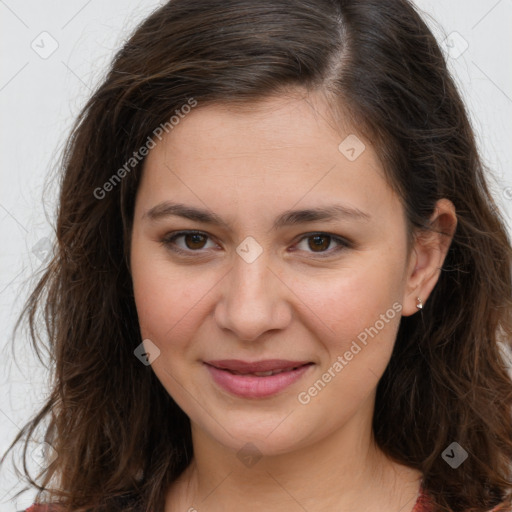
(269,262)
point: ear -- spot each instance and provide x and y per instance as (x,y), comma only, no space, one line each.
(427,256)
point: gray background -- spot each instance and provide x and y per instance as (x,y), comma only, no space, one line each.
(53,54)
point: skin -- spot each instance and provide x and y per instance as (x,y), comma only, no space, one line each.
(248,165)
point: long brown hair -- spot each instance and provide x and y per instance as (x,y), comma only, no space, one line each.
(117,432)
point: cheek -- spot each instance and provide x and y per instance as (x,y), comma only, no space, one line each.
(159,307)
(168,299)
(357,313)
(363,312)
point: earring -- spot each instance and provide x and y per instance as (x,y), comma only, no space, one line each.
(420,303)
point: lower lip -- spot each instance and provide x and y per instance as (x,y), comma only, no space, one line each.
(251,386)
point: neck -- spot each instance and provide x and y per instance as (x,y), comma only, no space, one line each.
(343,471)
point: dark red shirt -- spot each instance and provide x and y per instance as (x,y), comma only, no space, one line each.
(422,505)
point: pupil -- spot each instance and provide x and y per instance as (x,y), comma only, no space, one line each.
(317,241)
(196,239)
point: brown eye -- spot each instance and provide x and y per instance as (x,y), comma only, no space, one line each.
(323,244)
(319,242)
(187,242)
(194,240)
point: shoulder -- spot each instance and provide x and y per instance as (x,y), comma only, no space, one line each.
(501,508)
(42,508)
(424,504)
(59,508)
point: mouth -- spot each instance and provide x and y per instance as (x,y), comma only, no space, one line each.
(258,379)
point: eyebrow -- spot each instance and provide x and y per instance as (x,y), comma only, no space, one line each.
(287,218)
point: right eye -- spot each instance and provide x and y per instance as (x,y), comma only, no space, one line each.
(192,241)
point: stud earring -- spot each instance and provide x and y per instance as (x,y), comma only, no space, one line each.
(420,303)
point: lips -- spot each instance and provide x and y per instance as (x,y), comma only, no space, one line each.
(258,379)
(258,368)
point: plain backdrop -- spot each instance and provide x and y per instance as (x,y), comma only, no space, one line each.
(53,55)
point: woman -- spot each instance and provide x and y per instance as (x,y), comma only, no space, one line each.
(280,282)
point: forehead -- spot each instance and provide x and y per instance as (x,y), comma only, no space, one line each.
(285,148)
(287,123)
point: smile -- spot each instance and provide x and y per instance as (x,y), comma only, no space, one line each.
(258,379)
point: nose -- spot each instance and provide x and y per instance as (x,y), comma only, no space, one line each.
(254,300)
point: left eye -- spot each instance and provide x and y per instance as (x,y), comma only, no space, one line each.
(319,242)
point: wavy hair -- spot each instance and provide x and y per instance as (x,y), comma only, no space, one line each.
(121,439)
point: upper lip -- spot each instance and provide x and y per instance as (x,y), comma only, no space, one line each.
(256,366)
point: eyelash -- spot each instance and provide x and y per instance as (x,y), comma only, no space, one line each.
(169,239)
